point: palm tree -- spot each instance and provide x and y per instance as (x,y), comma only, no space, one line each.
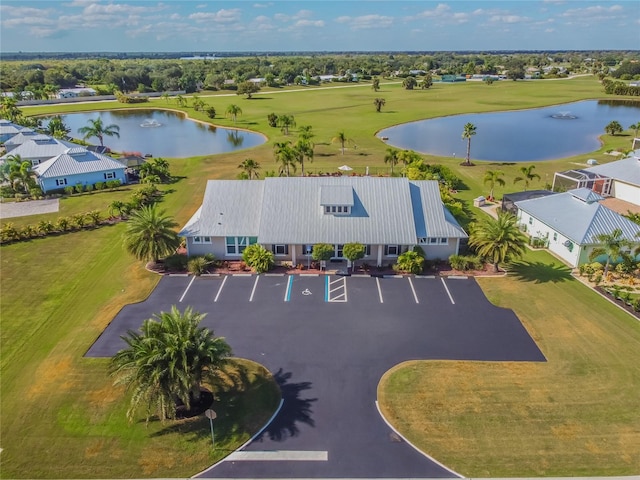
(341,138)
(493,177)
(498,240)
(116,206)
(468,132)
(379,103)
(250,167)
(149,235)
(391,157)
(375,84)
(303,149)
(165,96)
(635,127)
(20,173)
(613,127)
(233,111)
(305,132)
(56,127)
(286,156)
(527,176)
(284,122)
(181,101)
(170,358)
(97,129)
(409,82)
(613,245)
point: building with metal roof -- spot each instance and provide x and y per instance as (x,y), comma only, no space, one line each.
(9,129)
(288,215)
(39,150)
(571,222)
(78,166)
(24,136)
(619,179)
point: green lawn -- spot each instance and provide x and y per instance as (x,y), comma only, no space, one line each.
(576,414)
(62,419)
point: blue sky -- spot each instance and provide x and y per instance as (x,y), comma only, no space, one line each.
(308,25)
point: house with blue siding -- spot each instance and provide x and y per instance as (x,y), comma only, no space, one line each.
(78,166)
(288,215)
(39,150)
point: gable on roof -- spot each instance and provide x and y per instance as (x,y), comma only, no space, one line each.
(576,219)
(76,161)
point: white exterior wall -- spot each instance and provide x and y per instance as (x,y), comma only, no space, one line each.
(626,192)
(538,229)
(441,252)
(217,247)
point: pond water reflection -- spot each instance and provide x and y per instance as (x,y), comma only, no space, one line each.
(524,135)
(163,133)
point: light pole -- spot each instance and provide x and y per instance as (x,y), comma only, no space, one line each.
(211,415)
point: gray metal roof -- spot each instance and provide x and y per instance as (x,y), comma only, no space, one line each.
(25,136)
(586,195)
(289,211)
(626,170)
(76,161)
(336,195)
(6,127)
(578,220)
(39,149)
(230,208)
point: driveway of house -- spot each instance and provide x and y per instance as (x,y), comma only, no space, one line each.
(32,207)
(328,340)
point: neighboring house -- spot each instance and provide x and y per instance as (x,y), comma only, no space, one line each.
(75,92)
(78,166)
(24,136)
(288,215)
(9,129)
(571,221)
(37,151)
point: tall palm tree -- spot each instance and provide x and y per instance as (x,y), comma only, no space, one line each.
(303,149)
(498,240)
(391,157)
(181,101)
(493,177)
(284,122)
(527,176)
(149,234)
(305,132)
(286,156)
(250,167)
(56,127)
(342,139)
(613,245)
(233,111)
(379,103)
(170,358)
(635,127)
(97,129)
(468,132)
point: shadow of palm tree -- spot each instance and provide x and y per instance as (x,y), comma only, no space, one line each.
(295,410)
(539,272)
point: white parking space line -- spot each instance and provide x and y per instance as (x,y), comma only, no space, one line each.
(379,290)
(186,289)
(255,284)
(287,292)
(448,292)
(220,289)
(279,455)
(413,290)
(341,286)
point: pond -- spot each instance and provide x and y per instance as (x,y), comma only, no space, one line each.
(519,136)
(163,133)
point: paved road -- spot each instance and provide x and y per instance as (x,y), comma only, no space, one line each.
(328,340)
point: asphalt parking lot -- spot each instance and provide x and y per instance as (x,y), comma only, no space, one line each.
(328,340)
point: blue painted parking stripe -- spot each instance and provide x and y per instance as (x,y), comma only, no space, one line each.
(326,288)
(287,293)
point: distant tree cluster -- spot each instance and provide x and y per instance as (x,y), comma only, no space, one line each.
(619,88)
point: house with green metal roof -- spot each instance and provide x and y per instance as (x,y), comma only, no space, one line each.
(288,215)
(571,221)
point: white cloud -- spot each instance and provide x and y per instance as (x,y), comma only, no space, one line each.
(508,19)
(439,11)
(221,16)
(590,12)
(281,17)
(309,23)
(262,5)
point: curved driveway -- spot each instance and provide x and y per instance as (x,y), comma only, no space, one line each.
(328,341)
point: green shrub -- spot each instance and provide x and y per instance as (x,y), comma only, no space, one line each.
(198,265)
(88,188)
(322,251)
(409,262)
(94,217)
(419,250)
(465,262)
(636,304)
(175,262)
(353,251)
(258,258)
(69,190)
(100,186)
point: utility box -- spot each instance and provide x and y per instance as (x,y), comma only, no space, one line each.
(479,202)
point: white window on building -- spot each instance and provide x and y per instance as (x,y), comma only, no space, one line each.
(422,240)
(201,239)
(392,250)
(530,220)
(61,182)
(367,250)
(280,249)
(236,245)
(109,175)
(444,241)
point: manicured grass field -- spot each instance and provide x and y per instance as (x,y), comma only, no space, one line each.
(62,419)
(575,415)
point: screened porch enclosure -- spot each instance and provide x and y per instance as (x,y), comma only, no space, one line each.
(572,179)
